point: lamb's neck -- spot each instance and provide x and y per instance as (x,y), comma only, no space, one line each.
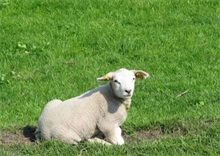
(125,102)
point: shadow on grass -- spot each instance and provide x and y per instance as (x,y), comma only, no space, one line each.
(28,132)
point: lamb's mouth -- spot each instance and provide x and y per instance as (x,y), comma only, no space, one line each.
(128,96)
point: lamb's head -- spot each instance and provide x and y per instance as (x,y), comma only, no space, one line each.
(122,81)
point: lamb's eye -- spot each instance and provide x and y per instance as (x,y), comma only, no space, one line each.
(134,78)
(116,81)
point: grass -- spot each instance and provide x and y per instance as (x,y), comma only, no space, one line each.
(53,49)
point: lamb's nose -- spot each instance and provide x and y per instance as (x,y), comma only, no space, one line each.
(128,91)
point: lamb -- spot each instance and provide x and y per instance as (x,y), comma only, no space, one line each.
(93,115)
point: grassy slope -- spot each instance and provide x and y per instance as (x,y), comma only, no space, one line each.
(51,49)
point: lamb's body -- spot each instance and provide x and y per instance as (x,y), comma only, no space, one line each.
(100,111)
(83,117)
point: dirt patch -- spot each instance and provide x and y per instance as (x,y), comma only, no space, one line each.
(26,135)
(154,134)
(21,136)
(143,135)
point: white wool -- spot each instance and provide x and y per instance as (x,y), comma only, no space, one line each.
(98,112)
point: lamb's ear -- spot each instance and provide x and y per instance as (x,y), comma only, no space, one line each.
(140,74)
(107,77)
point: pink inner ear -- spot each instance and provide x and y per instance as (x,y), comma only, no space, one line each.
(141,74)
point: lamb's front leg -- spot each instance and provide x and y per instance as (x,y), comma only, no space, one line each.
(113,135)
(98,140)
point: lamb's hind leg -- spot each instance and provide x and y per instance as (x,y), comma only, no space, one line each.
(65,135)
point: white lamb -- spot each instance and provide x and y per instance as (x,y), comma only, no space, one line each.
(98,112)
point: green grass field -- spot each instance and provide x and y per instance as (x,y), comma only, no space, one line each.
(56,49)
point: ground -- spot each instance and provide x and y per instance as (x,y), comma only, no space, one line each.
(26,135)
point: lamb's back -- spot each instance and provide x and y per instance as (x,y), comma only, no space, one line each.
(79,114)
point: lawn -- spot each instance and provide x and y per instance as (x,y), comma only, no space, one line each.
(56,49)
